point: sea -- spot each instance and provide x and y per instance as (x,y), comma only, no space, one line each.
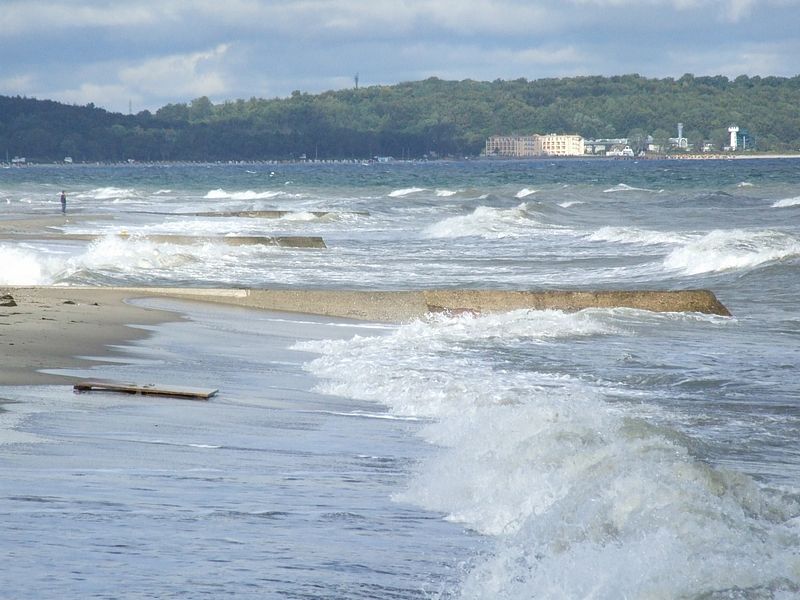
(601,454)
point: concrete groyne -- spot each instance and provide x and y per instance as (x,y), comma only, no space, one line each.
(285,241)
(399,306)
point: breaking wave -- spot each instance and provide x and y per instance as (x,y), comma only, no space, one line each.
(583,497)
(621,187)
(786,202)
(487,222)
(524,193)
(220,194)
(405,192)
(737,249)
(628,235)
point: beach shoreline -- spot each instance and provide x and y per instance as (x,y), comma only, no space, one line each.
(55,327)
(62,327)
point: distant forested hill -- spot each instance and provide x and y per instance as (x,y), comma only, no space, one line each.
(431,117)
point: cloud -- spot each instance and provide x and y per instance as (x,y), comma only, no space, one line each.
(741,59)
(732,11)
(114,94)
(24,83)
(150,83)
(23,17)
(160,51)
(195,74)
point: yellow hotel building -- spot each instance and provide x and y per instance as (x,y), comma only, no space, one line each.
(520,146)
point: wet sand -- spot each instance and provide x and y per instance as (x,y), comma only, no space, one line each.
(51,327)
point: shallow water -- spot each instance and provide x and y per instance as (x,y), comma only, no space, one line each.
(270,490)
(605,454)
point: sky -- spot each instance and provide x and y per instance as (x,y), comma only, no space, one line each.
(134,55)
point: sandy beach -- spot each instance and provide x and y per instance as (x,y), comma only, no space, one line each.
(51,327)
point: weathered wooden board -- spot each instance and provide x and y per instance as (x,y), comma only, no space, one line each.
(154,389)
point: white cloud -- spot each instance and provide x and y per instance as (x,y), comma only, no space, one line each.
(21,17)
(474,62)
(23,84)
(149,84)
(729,10)
(763,59)
(187,75)
(106,95)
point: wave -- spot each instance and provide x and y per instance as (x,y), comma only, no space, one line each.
(630,235)
(621,187)
(220,194)
(786,202)
(405,192)
(569,203)
(585,497)
(22,266)
(111,256)
(109,193)
(524,193)
(736,249)
(383,379)
(487,222)
(445,193)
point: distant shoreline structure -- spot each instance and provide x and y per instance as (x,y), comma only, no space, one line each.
(670,157)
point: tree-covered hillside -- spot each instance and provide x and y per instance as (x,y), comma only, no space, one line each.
(431,117)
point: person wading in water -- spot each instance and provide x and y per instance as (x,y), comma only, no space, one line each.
(63,202)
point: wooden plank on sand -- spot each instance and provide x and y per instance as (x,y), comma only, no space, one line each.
(154,389)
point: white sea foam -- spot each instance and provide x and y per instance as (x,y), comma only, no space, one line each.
(630,235)
(109,193)
(445,193)
(524,193)
(787,202)
(299,216)
(736,249)
(23,266)
(134,257)
(586,497)
(569,203)
(220,194)
(621,187)
(407,392)
(405,192)
(487,222)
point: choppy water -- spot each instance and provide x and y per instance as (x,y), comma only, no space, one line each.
(603,454)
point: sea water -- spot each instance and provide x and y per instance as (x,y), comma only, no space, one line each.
(609,453)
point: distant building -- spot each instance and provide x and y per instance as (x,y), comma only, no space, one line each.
(605,145)
(740,139)
(626,152)
(521,146)
(518,146)
(555,144)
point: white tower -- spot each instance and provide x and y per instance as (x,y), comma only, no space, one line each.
(682,141)
(733,130)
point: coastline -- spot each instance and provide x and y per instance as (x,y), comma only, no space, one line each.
(61,327)
(46,327)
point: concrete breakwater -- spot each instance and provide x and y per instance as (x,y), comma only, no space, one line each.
(286,241)
(399,306)
(270,214)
